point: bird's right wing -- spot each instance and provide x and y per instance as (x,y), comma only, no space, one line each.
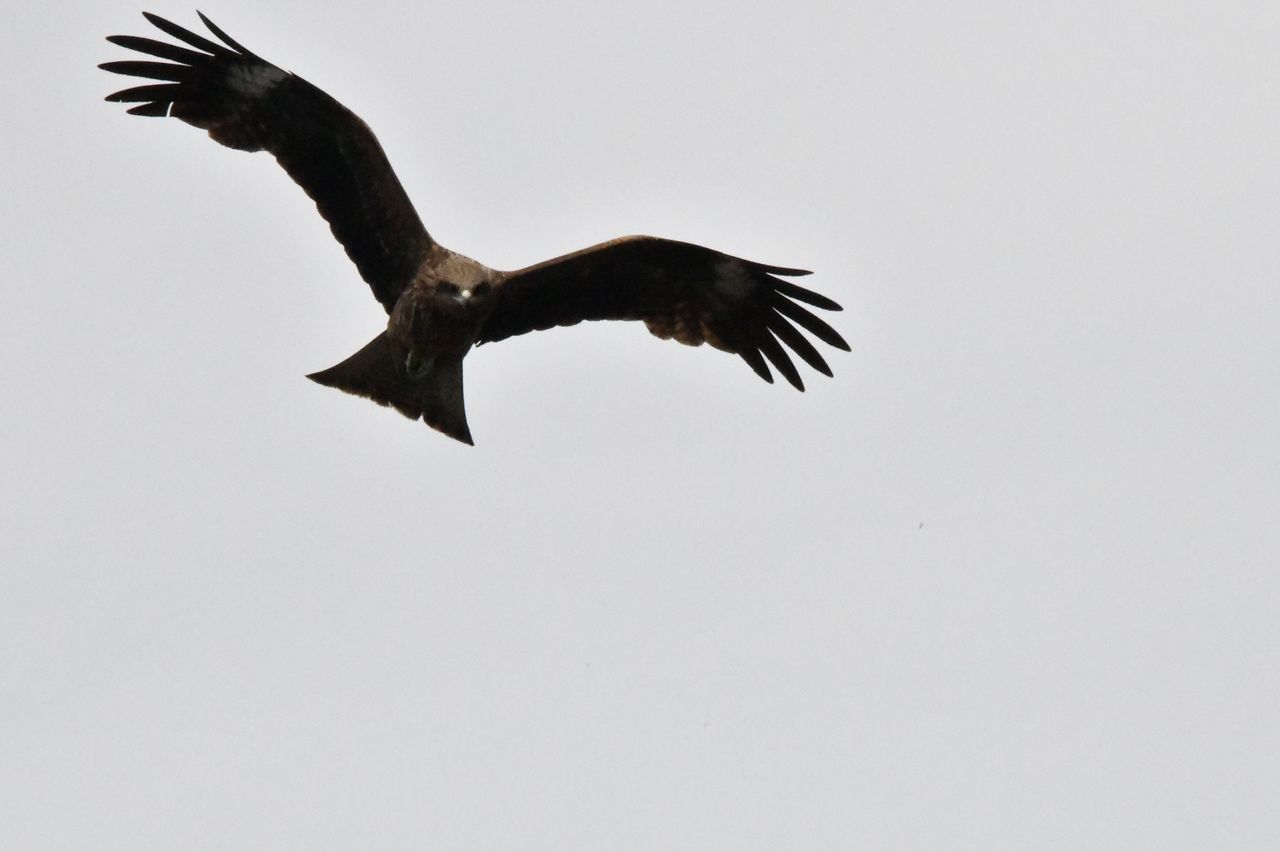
(247,103)
(679,290)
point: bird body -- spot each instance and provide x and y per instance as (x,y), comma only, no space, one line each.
(440,303)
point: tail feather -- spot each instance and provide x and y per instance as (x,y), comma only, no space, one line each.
(442,403)
(436,397)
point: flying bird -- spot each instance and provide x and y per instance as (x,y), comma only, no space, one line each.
(441,303)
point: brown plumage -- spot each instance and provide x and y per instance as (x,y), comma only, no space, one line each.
(441,303)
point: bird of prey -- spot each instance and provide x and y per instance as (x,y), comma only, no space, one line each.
(441,303)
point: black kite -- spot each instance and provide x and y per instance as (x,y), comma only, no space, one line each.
(442,303)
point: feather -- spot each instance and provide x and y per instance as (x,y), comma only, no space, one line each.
(752,356)
(787,333)
(779,358)
(186,35)
(156,110)
(228,40)
(149,70)
(162,49)
(778,270)
(158,92)
(800,294)
(810,323)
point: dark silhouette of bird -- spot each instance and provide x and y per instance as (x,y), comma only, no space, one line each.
(441,303)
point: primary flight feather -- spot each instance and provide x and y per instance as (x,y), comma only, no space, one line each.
(441,303)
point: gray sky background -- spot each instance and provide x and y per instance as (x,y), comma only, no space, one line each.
(660,605)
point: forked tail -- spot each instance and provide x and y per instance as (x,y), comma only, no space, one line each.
(436,397)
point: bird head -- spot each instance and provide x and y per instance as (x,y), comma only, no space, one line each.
(435,318)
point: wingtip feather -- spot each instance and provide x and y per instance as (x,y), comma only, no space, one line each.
(778,356)
(153,110)
(803,294)
(800,344)
(226,39)
(810,322)
(183,34)
(756,362)
(779,270)
(163,92)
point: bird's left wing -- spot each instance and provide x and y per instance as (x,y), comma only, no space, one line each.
(682,291)
(247,103)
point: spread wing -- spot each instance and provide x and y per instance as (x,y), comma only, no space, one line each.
(682,291)
(247,103)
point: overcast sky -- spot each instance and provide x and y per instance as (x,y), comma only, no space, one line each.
(1007,581)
